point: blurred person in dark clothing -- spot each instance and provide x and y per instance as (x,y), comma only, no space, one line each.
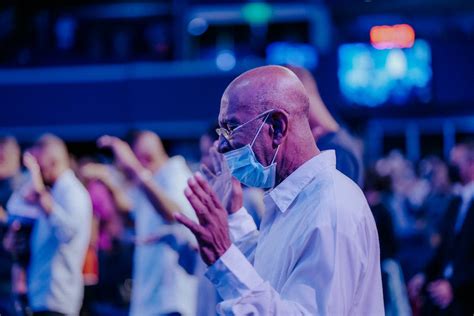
(376,186)
(9,180)
(377,191)
(446,285)
(328,133)
(434,207)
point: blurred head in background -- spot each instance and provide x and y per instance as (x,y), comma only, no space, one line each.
(375,186)
(436,172)
(149,150)
(462,163)
(53,159)
(320,119)
(9,157)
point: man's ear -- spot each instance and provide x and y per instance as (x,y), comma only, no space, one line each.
(278,126)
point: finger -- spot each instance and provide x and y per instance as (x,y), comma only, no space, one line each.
(201,210)
(28,159)
(216,159)
(204,185)
(236,185)
(195,228)
(208,174)
(105,141)
(200,191)
(220,157)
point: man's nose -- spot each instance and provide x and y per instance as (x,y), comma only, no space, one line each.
(223,145)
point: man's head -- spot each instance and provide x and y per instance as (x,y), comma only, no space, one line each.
(9,157)
(53,159)
(320,119)
(462,157)
(279,92)
(149,150)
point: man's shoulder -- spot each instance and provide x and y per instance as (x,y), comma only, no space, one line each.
(174,173)
(334,186)
(72,190)
(336,199)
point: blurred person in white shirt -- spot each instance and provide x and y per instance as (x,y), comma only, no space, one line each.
(164,282)
(61,230)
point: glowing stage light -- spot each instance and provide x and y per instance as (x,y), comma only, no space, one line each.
(396,36)
(225,60)
(257,13)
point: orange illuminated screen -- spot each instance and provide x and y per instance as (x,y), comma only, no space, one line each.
(396,36)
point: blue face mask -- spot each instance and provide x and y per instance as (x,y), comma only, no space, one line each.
(245,167)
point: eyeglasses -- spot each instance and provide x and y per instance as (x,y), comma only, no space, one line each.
(227,133)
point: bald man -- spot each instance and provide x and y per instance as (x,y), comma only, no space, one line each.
(328,133)
(163,278)
(317,249)
(61,231)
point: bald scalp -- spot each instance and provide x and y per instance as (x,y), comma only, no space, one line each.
(54,147)
(265,88)
(148,138)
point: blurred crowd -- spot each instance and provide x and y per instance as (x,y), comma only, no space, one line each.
(97,236)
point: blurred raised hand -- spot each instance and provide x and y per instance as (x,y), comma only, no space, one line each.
(122,152)
(33,167)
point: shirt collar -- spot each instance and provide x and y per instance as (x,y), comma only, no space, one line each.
(286,192)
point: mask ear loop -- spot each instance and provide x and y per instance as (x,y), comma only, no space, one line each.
(259,129)
(274,157)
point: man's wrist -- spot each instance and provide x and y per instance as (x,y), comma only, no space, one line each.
(45,201)
(143,175)
(219,253)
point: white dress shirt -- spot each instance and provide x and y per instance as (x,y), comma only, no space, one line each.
(59,243)
(317,251)
(160,284)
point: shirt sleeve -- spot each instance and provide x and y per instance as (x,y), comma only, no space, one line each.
(243,232)
(70,216)
(317,283)
(246,293)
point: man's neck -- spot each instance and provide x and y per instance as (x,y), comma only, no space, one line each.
(59,175)
(300,153)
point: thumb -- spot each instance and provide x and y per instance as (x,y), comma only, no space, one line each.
(183,219)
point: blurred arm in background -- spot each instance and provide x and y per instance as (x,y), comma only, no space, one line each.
(125,156)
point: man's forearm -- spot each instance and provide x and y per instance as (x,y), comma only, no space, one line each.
(119,197)
(243,232)
(46,202)
(160,201)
